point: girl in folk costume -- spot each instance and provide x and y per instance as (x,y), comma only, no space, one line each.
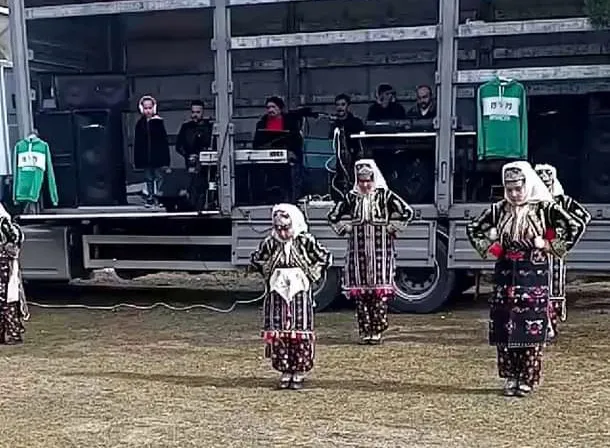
(13,308)
(290,260)
(520,232)
(370,216)
(557,266)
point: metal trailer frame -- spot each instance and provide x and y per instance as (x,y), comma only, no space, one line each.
(444,221)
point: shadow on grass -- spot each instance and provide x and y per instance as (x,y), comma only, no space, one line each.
(264,382)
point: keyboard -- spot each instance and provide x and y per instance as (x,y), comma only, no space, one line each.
(248,156)
(387,127)
(256,156)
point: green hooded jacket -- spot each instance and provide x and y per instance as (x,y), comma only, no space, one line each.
(32,160)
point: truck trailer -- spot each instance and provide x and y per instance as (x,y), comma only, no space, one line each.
(234,53)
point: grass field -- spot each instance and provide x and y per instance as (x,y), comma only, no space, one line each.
(197,379)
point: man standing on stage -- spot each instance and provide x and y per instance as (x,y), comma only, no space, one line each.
(347,150)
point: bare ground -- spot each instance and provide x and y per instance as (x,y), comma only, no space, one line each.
(197,379)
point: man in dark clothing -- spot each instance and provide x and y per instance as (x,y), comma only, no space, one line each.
(288,125)
(350,149)
(425,106)
(386,108)
(194,137)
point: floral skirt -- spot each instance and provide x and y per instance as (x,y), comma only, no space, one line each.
(519,306)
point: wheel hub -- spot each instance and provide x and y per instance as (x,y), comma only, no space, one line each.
(417,283)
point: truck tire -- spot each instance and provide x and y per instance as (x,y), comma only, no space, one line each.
(424,290)
(327,291)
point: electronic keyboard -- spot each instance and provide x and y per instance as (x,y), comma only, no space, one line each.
(247,156)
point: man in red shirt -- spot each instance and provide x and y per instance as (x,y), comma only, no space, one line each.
(287,123)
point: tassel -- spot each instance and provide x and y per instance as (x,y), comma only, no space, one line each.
(496,250)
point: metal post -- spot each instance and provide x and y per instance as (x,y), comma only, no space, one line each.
(223,91)
(21,69)
(447,65)
(292,69)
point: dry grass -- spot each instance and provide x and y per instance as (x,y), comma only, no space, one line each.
(162,379)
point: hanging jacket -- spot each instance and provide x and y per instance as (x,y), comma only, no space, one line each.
(501,120)
(32,160)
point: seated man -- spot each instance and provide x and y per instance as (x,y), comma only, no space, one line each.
(386,108)
(425,106)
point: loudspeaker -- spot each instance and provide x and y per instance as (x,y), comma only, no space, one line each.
(91,91)
(57,129)
(99,152)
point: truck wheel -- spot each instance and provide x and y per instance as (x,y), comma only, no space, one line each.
(327,290)
(424,290)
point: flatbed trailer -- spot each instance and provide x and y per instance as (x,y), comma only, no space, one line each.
(455,45)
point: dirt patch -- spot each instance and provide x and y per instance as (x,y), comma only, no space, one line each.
(165,379)
(235,280)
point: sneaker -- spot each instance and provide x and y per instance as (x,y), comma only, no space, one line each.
(285,380)
(510,387)
(376,339)
(297,381)
(524,390)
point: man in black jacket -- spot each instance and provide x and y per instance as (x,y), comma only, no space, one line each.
(425,106)
(194,137)
(350,149)
(386,108)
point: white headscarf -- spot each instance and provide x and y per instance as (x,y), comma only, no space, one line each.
(556,187)
(296,216)
(3,212)
(378,179)
(535,190)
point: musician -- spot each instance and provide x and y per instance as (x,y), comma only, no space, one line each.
(386,108)
(195,135)
(278,119)
(346,120)
(350,152)
(425,106)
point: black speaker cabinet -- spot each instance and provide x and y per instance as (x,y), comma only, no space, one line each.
(57,129)
(87,152)
(99,152)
